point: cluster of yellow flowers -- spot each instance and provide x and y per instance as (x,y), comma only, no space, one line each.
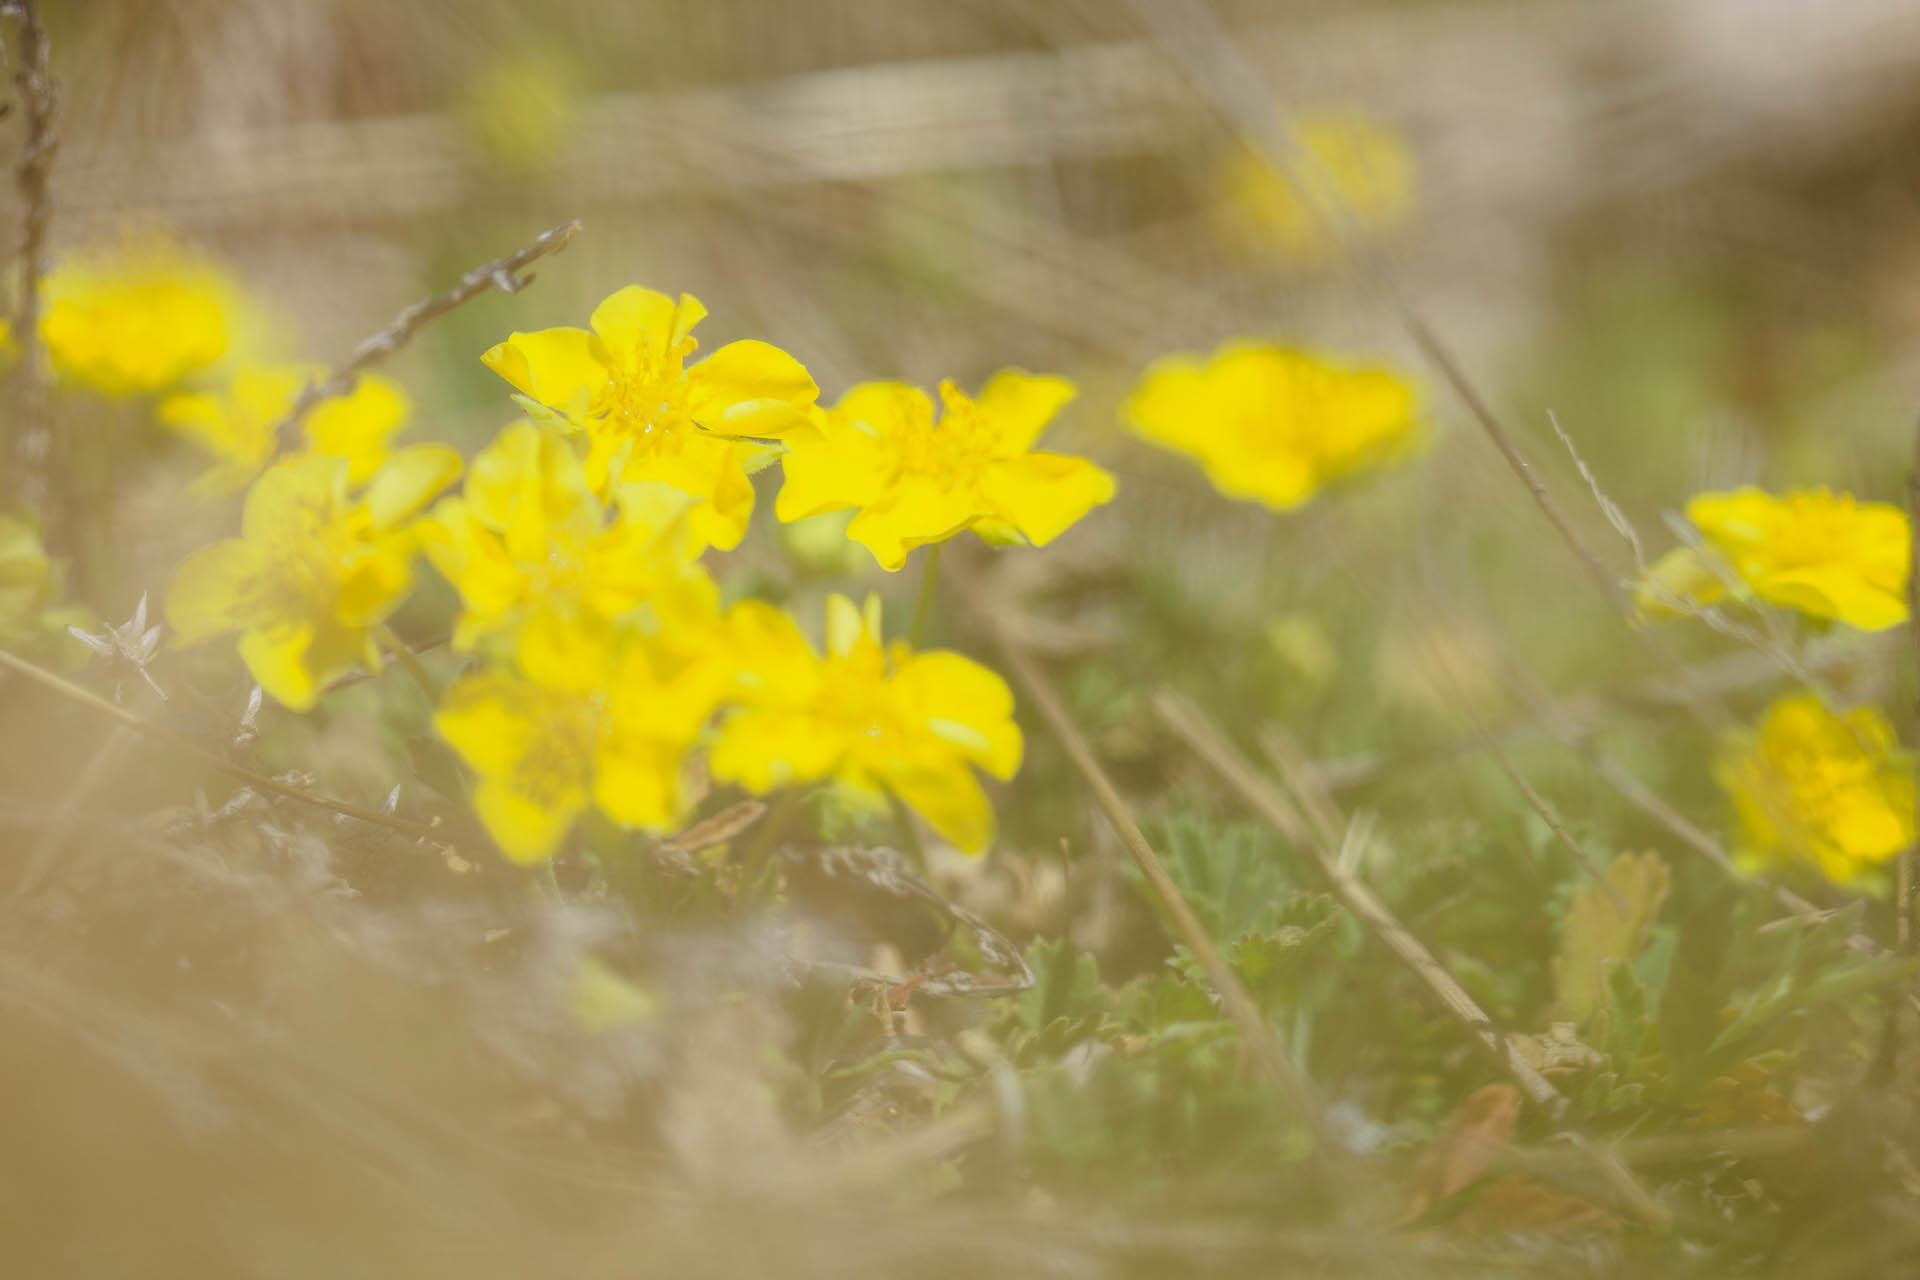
(151,317)
(1815,790)
(602,660)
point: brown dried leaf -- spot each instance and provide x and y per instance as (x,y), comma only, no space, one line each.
(1517,1205)
(1472,1139)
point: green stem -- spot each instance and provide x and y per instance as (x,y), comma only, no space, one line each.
(923,607)
(407,658)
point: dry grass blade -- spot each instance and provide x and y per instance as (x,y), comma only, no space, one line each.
(26,447)
(1238,1002)
(159,733)
(502,274)
(1187,723)
(1191,727)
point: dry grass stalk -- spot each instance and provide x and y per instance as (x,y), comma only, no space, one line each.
(503,274)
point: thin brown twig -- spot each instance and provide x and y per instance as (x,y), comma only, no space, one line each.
(160,733)
(1236,1000)
(503,274)
(26,446)
(1318,841)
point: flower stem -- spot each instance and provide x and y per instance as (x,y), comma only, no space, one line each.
(923,607)
(406,657)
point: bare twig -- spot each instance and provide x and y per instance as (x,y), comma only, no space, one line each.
(503,274)
(26,446)
(1236,1000)
(160,733)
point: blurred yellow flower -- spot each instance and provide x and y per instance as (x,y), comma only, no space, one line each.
(1819,790)
(876,718)
(314,569)
(1813,550)
(1274,424)
(1347,160)
(32,618)
(138,318)
(521,108)
(651,417)
(236,423)
(545,754)
(915,482)
(541,564)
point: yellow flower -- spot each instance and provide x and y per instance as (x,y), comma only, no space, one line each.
(1347,160)
(915,482)
(1274,424)
(521,107)
(545,754)
(1813,550)
(651,417)
(1815,789)
(236,423)
(138,318)
(313,570)
(540,564)
(874,718)
(32,618)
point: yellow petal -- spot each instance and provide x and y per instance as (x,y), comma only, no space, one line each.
(1019,405)
(528,828)
(1041,494)
(964,704)
(634,318)
(750,389)
(637,782)
(1838,593)
(841,468)
(491,720)
(764,749)
(357,426)
(723,519)
(1680,578)
(277,659)
(298,495)
(373,581)
(914,512)
(949,797)
(209,592)
(564,650)
(408,481)
(554,366)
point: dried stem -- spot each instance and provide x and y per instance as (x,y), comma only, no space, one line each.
(26,445)
(503,274)
(1237,1001)
(159,733)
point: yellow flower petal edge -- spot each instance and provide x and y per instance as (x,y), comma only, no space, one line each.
(314,569)
(916,481)
(866,715)
(1824,554)
(1820,791)
(650,416)
(1275,424)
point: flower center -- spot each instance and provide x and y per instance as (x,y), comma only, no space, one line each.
(645,397)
